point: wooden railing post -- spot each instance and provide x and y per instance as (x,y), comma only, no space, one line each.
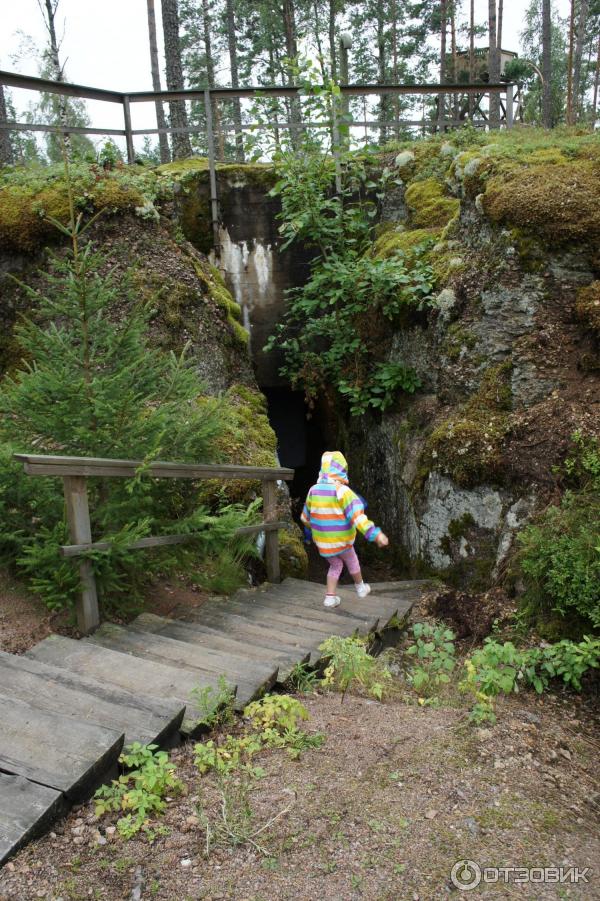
(269,492)
(128,129)
(509,106)
(78,519)
(212,170)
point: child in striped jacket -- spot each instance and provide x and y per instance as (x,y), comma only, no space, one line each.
(333,513)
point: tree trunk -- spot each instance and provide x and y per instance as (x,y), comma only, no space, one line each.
(596,85)
(51,7)
(161,122)
(235,82)
(582,22)
(499,35)
(454,59)
(275,112)
(332,41)
(383,105)
(291,47)
(210,78)
(493,65)
(547,63)
(442,97)
(174,71)
(394,16)
(570,65)
(471,56)
(6,151)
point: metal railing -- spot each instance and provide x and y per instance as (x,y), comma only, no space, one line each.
(75,471)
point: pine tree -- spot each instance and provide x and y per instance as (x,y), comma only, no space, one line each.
(180,141)
(161,122)
(547,63)
(493,65)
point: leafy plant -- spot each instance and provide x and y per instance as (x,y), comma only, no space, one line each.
(302,678)
(213,707)
(350,666)
(277,718)
(139,793)
(434,655)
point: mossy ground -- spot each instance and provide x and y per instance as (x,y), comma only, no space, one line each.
(588,306)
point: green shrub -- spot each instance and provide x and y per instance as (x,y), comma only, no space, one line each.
(351,667)
(434,655)
(560,551)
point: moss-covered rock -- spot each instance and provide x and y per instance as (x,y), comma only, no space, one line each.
(217,290)
(293,559)
(430,206)
(555,201)
(403,241)
(588,306)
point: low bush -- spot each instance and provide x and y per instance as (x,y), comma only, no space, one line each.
(350,666)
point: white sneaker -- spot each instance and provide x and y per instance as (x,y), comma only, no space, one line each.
(332,601)
(363,590)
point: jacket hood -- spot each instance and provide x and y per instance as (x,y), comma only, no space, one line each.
(334,467)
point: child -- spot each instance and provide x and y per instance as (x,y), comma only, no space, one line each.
(333,512)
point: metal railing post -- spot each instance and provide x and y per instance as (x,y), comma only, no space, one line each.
(212,169)
(128,129)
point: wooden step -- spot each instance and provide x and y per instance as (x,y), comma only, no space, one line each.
(143,719)
(240,628)
(132,674)
(278,616)
(213,639)
(385,606)
(56,750)
(249,676)
(26,811)
(308,609)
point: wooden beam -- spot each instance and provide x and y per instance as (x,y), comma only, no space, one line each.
(76,550)
(128,132)
(42,465)
(269,492)
(80,530)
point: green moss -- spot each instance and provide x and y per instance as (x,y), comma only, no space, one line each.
(213,281)
(458,339)
(468,445)
(195,219)
(459,527)
(587,306)
(183,167)
(430,207)
(560,203)
(261,175)
(293,559)
(391,242)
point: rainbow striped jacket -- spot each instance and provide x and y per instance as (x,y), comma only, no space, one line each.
(333,512)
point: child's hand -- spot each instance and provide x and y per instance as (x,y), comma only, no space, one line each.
(382,540)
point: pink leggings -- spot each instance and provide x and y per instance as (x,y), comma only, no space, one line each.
(336,564)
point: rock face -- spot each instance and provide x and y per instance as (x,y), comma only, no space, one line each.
(508,372)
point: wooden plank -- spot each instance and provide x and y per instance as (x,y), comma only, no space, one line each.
(269,640)
(146,677)
(75,550)
(269,493)
(250,676)
(143,719)
(212,638)
(55,750)
(80,531)
(269,615)
(385,605)
(26,811)
(240,627)
(279,598)
(40,464)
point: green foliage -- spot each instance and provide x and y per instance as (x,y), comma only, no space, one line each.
(351,667)
(499,668)
(434,655)
(139,794)
(302,678)
(336,331)
(560,551)
(91,385)
(213,707)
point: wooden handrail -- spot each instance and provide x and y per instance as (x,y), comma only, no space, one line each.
(75,471)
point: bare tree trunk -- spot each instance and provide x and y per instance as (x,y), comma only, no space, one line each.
(291,46)
(582,22)
(174,70)
(454,59)
(383,105)
(500,18)
(49,10)
(6,151)
(210,77)
(471,56)
(547,63)
(332,41)
(596,85)
(570,65)
(493,66)
(161,122)
(442,97)
(394,16)
(273,77)
(235,82)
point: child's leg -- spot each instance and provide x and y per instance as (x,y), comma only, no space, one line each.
(353,565)
(336,565)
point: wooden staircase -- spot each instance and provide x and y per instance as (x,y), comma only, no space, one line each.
(68,706)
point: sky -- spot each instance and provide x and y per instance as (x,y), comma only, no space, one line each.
(106,46)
